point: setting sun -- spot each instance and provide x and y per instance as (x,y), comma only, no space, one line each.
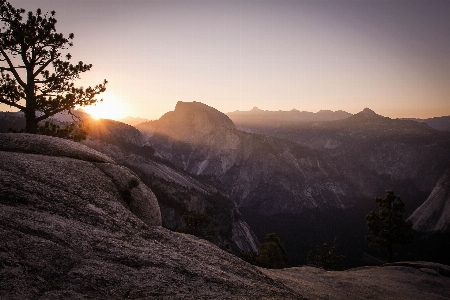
(110,108)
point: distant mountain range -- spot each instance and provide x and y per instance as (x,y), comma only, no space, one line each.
(258,116)
(132,120)
(439,123)
(247,120)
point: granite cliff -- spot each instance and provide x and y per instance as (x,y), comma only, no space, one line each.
(434,214)
(177,191)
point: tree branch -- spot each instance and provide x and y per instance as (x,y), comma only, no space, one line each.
(10,103)
(12,69)
(51,113)
(52,57)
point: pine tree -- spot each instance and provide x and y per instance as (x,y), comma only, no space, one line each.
(35,77)
(388,227)
(271,254)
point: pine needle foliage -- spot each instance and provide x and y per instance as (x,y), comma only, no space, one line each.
(388,227)
(271,253)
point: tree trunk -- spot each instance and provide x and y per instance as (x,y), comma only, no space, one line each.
(30,102)
(31,124)
(390,255)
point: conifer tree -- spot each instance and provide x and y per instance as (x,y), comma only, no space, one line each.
(271,254)
(388,227)
(35,76)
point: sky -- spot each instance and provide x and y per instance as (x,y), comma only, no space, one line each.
(391,56)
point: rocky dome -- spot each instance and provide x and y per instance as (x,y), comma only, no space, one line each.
(41,144)
(434,214)
(193,109)
(75,225)
(191,122)
(56,170)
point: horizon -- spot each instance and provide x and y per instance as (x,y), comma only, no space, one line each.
(234,55)
(82,109)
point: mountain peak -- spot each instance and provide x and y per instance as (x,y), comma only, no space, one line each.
(368,111)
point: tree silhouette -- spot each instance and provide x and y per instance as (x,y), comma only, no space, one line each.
(388,227)
(34,77)
(326,257)
(271,254)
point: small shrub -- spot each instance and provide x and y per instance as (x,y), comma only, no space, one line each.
(325,257)
(249,257)
(198,224)
(132,183)
(126,192)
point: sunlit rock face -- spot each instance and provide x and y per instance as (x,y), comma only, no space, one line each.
(434,214)
(179,193)
(268,174)
(68,231)
(199,130)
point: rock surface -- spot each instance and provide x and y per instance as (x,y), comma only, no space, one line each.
(434,214)
(67,231)
(409,280)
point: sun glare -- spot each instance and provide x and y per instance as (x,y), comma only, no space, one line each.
(110,108)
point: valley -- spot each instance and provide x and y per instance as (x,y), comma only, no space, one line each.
(321,176)
(308,181)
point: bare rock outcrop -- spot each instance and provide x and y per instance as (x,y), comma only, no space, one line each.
(405,280)
(73,227)
(434,214)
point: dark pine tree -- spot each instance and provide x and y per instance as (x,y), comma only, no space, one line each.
(388,227)
(36,77)
(271,253)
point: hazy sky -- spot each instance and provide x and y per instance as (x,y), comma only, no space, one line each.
(391,56)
